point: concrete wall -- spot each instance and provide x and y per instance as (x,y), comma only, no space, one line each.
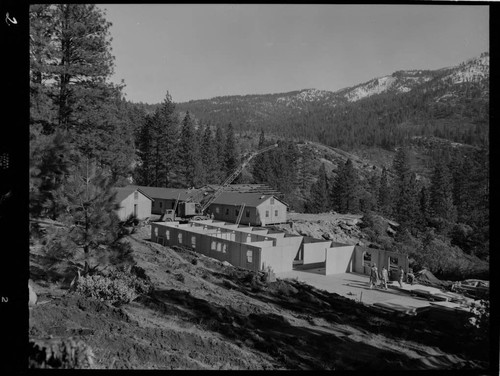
(175,234)
(378,256)
(315,252)
(280,259)
(339,259)
(127,206)
(214,240)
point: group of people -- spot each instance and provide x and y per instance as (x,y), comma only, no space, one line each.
(381,279)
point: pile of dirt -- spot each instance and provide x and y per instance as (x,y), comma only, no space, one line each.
(205,314)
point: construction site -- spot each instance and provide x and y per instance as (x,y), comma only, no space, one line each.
(237,224)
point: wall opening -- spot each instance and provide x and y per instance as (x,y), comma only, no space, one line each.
(393,267)
(249,256)
(367,262)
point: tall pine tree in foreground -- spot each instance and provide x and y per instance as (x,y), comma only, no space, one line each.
(90,207)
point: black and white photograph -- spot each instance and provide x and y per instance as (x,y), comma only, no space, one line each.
(258,187)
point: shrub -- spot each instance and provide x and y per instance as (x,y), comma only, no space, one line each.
(118,287)
(479,322)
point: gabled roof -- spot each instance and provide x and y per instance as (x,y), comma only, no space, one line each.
(124,192)
(166,193)
(244,188)
(250,199)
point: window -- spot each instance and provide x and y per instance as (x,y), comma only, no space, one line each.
(249,256)
(193,242)
(224,248)
(161,204)
(219,247)
(236,212)
(213,245)
(248,213)
(168,234)
(217,210)
(275,213)
(227,211)
(272,200)
(180,237)
(173,204)
(161,240)
(267,213)
(136,195)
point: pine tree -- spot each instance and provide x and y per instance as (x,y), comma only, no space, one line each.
(200,172)
(441,193)
(158,147)
(404,194)
(384,195)
(373,190)
(209,157)
(407,206)
(261,168)
(318,200)
(220,149)
(425,207)
(70,62)
(231,159)
(345,190)
(90,207)
(187,153)
(51,158)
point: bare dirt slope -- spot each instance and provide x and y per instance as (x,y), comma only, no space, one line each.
(203,314)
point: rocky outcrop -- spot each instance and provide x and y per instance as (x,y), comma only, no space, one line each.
(333,227)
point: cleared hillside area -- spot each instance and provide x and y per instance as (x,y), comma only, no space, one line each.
(203,314)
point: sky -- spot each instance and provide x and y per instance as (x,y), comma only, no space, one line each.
(200,51)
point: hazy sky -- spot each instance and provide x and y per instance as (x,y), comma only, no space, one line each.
(198,51)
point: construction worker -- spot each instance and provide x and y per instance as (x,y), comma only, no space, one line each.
(410,277)
(384,277)
(401,276)
(373,275)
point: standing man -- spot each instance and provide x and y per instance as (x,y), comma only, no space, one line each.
(384,278)
(401,276)
(373,275)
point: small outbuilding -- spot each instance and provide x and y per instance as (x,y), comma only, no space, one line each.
(165,198)
(258,209)
(133,202)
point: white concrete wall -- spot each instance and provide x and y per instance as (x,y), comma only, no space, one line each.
(339,259)
(280,259)
(315,252)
